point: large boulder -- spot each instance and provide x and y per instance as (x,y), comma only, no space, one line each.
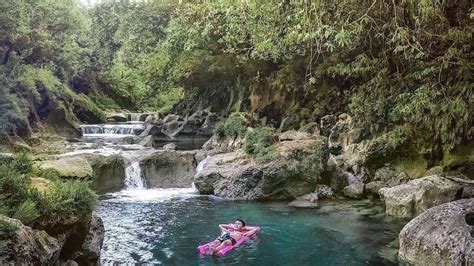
(442,235)
(410,199)
(223,144)
(89,251)
(294,171)
(106,172)
(116,117)
(354,191)
(26,246)
(70,167)
(169,168)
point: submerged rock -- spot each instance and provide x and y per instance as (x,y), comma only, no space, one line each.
(416,196)
(26,246)
(294,171)
(442,235)
(306,201)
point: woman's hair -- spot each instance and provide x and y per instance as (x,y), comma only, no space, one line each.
(242,221)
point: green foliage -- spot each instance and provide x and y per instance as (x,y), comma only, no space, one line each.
(259,143)
(67,202)
(309,128)
(234,126)
(64,202)
(27,212)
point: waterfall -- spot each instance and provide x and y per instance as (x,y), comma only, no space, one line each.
(202,163)
(133,176)
(351,178)
(112,129)
(135,117)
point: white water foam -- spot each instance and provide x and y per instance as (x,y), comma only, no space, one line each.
(152,194)
(133,176)
(201,164)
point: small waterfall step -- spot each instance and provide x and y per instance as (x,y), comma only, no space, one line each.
(112,129)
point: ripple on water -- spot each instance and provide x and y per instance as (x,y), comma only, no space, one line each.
(164,226)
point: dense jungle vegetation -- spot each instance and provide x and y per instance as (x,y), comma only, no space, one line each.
(402,69)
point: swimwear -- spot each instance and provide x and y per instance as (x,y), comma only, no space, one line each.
(226,236)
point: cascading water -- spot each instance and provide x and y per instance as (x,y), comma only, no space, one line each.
(134,117)
(133,176)
(111,129)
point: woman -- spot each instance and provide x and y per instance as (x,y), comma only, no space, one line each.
(231,233)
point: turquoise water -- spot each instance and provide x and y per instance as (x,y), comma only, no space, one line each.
(166,226)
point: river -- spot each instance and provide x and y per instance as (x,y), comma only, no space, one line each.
(165,226)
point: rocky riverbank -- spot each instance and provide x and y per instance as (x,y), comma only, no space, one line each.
(331,160)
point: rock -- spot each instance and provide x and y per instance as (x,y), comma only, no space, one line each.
(324,191)
(436,170)
(172,128)
(40,183)
(89,252)
(63,122)
(416,196)
(170,146)
(339,136)
(151,119)
(69,167)
(147,141)
(385,174)
(327,122)
(354,191)
(116,117)
(169,168)
(373,187)
(108,172)
(294,135)
(442,235)
(27,246)
(171,118)
(223,144)
(306,201)
(208,126)
(468,192)
(295,171)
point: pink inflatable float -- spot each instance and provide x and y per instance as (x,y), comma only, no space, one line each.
(202,248)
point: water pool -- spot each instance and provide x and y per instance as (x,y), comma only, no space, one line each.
(164,226)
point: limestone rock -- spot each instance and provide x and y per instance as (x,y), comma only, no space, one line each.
(70,167)
(89,252)
(116,117)
(28,246)
(324,191)
(223,144)
(294,135)
(354,191)
(442,235)
(294,171)
(169,168)
(306,201)
(416,196)
(170,146)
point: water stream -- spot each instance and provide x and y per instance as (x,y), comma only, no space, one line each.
(164,226)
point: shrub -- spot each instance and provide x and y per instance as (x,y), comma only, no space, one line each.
(234,126)
(22,163)
(27,212)
(309,128)
(67,202)
(259,143)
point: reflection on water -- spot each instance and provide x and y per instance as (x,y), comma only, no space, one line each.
(164,226)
